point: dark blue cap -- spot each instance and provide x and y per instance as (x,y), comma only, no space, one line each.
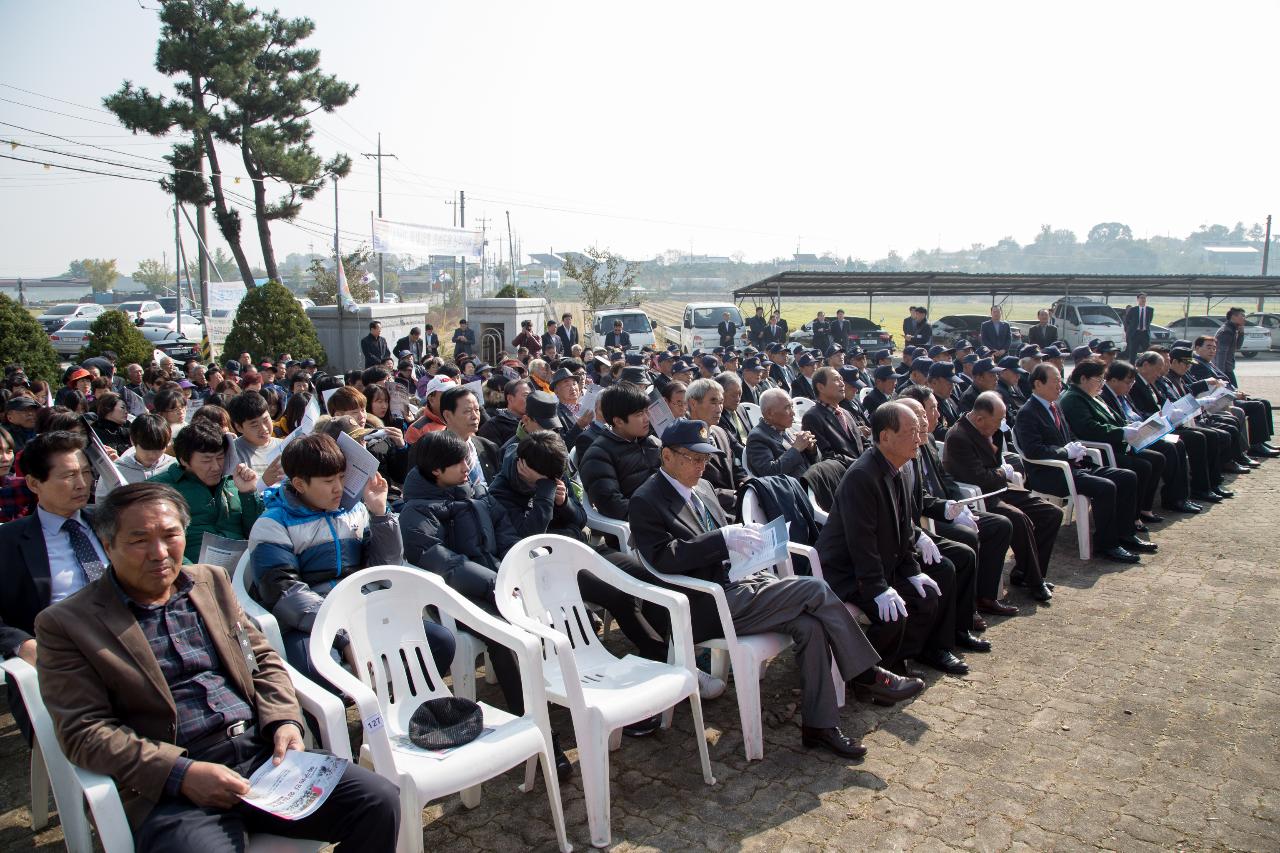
(982,351)
(833,349)
(880,355)
(1051,351)
(1009,362)
(775,347)
(909,351)
(937,350)
(664,356)
(1093,343)
(983,365)
(942,370)
(804,360)
(1081,352)
(1030,351)
(634,359)
(681,366)
(850,374)
(752,363)
(882,373)
(730,355)
(971,358)
(1107,346)
(922,365)
(691,435)
(963,343)
(855,351)
(710,362)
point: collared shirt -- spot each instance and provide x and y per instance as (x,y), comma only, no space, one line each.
(65,574)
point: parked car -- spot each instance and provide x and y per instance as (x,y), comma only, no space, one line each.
(147,308)
(1081,319)
(953,327)
(71,336)
(865,333)
(1161,334)
(59,315)
(697,329)
(1256,338)
(1270,322)
(177,347)
(635,322)
(169,322)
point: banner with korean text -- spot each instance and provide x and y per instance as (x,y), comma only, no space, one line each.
(406,238)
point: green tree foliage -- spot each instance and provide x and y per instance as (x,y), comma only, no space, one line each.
(101,272)
(512,292)
(156,275)
(602,274)
(270,321)
(23,341)
(325,289)
(113,330)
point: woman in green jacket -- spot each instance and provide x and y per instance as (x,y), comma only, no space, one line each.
(223,505)
(1091,420)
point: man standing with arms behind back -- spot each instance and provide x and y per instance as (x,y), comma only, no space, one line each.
(726,329)
(1137,328)
(1043,333)
(995,334)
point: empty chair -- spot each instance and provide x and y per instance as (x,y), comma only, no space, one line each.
(538,591)
(1074,506)
(802,405)
(381,610)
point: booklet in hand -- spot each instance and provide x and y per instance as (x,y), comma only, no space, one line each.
(1147,433)
(773,550)
(361,466)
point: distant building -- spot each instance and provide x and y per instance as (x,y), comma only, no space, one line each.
(63,288)
(1233,258)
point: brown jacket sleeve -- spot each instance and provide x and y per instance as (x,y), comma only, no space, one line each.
(964,463)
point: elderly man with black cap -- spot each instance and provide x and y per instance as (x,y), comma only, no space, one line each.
(20,416)
(564,384)
(752,376)
(940,382)
(680,529)
(1010,385)
(780,375)
(884,383)
(802,385)
(983,379)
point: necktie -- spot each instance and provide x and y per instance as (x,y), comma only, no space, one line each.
(86,556)
(1142,319)
(704,516)
(1057,417)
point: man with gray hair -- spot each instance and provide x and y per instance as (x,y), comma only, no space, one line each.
(733,419)
(704,401)
(770,450)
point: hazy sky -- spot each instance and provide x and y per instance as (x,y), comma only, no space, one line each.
(721,127)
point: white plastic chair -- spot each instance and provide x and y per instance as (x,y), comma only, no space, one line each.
(801,405)
(1074,506)
(1105,451)
(538,591)
(73,786)
(745,654)
(751,411)
(381,609)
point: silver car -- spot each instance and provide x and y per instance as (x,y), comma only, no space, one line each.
(73,335)
(1256,339)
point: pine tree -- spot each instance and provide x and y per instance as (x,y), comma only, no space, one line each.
(270,321)
(23,341)
(113,330)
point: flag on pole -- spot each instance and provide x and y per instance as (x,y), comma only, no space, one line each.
(206,347)
(345,299)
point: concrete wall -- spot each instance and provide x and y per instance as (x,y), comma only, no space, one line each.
(340,333)
(497,321)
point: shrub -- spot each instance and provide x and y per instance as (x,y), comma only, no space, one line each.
(113,330)
(270,321)
(24,341)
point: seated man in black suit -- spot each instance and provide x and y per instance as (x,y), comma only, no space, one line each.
(1179,382)
(679,529)
(833,428)
(1043,433)
(884,381)
(49,554)
(704,401)
(802,385)
(1256,410)
(984,379)
(770,451)
(869,556)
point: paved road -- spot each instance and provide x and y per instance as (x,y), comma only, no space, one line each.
(1139,712)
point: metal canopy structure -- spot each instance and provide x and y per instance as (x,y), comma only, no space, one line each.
(913,286)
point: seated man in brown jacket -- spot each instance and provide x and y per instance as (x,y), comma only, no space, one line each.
(154,676)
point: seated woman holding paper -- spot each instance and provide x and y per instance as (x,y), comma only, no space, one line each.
(306,541)
(150,435)
(221,503)
(1091,420)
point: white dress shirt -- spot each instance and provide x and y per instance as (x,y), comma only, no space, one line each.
(65,574)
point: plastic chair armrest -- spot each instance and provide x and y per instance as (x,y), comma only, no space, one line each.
(107,809)
(331,717)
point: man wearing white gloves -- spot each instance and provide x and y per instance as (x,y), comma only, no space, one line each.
(869,553)
(679,528)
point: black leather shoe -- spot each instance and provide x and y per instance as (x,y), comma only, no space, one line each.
(1207,497)
(1050,586)
(564,767)
(643,728)
(1224,493)
(1263,453)
(1139,546)
(943,661)
(1140,527)
(970,643)
(888,689)
(1186,507)
(1234,467)
(1120,555)
(832,740)
(1040,593)
(1268,445)
(1150,517)
(995,607)
(1250,462)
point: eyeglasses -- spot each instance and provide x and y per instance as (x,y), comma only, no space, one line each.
(695,459)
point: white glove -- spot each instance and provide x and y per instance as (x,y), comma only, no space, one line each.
(1075,451)
(742,540)
(928,551)
(951,509)
(922,582)
(1130,430)
(1008,471)
(891,606)
(966,519)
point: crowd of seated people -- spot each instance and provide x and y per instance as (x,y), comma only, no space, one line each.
(473,457)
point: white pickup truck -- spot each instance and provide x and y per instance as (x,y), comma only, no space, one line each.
(698,328)
(1081,319)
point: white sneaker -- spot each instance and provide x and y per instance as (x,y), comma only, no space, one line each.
(709,687)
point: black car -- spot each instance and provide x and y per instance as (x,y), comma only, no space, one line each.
(951,328)
(865,334)
(177,347)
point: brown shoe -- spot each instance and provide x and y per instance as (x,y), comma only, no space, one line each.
(832,740)
(995,608)
(887,689)
(979,624)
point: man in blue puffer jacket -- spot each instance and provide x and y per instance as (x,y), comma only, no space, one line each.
(305,542)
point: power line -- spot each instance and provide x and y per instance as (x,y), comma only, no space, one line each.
(76,169)
(52,98)
(85,144)
(55,112)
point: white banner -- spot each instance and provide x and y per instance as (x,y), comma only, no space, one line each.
(405,238)
(225,294)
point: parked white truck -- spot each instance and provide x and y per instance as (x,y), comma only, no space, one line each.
(1081,319)
(698,327)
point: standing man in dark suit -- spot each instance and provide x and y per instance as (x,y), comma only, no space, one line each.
(568,334)
(1043,333)
(464,339)
(840,329)
(154,676)
(551,338)
(833,428)
(412,343)
(431,342)
(1137,328)
(776,331)
(679,528)
(756,324)
(916,330)
(995,334)
(821,329)
(49,554)
(726,329)
(374,347)
(1043,433)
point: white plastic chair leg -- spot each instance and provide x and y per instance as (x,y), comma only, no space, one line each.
(530,767)
(410,840)
(40,789)
(700,732)
(748,688)
(1083,534)
(720,664)
(464,678)
(615,740)
(838,681)
(552,783)
(470,796)
(593,761)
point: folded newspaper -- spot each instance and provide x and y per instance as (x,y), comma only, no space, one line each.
(1148,432)
(660,416)
(297,786)
(1178,412)
(772,550)
(1218,400)
(101,462)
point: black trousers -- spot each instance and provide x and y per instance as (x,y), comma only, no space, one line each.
(1149,466)
(930,620)
(362,813)
(1233,424)
(1258,414)
(1176,481)
(1113,493)
(984,551)
(1035,523)
(1207,451)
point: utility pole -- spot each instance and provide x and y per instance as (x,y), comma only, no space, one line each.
(177,272)
(1266,256)
(382,287)
(484,241)
(511,247)
(462,222)
(202,231)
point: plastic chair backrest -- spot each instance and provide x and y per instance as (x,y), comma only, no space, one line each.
(801,405)
(751,411)
(751,512)
(862,393)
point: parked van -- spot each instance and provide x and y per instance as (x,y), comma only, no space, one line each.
(635,322)
(697,329)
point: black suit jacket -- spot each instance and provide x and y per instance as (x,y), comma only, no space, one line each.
(874,400)
(722,472)
(416,348)
(840,329)
(971,458)
(1132,316)
(867,544)
(1044,335)
(832,440)
(916,333)
(568,337)
(1144,398)
(726,331)
(770,454)
(431,343)
(995,337)
(802,387)
(375,350)
(25,585)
